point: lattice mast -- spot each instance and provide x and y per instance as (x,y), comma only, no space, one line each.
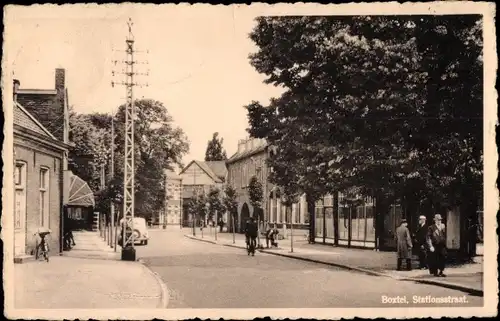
(129,165)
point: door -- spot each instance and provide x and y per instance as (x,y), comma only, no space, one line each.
(20,209)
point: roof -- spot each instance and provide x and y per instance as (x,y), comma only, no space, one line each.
(247,153)
(219,168)
(44,105)
(37,91)
(24,119)
(171,174)
(204,166)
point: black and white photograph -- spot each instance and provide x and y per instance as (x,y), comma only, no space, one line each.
(242,161)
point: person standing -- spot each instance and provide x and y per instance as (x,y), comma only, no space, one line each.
(404,245)
(436,240)
(421,241)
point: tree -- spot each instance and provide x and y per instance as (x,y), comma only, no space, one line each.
(370,87)
(158,145)
(201,206)
(216,203)
(215,150)
(90,151)
(230,203)
(255,193)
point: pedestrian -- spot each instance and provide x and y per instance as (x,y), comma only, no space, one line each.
(404,245)
(436,241)
(269,232)
(421,242)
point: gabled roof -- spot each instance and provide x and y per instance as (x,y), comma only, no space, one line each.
(172,175)
(219,168)
(24,119)
(205,168)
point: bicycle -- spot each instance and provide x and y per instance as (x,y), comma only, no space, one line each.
(42,249)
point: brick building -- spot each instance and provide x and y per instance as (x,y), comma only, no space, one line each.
(173,203)
(38,178)
(250,160)
(41,127)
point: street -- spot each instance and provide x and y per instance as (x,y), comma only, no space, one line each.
(204,275)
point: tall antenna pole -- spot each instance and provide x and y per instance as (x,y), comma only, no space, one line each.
(128,250)
(112,176)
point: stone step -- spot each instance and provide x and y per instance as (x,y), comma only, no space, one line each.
(20,259)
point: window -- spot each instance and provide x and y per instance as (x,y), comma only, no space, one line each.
(20,196)
(274,203)
(44,197)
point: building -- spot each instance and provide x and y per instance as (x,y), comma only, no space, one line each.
(250,160)
(173,200)
(45,112)
(199,177)
(38,178)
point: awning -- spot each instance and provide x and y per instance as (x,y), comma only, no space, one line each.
(79,192)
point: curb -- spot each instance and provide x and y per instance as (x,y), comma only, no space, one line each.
(448,285)
(164,298)
(442,284)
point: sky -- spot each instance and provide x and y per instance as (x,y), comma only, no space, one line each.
(197,62)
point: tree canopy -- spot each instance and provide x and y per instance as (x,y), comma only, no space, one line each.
(159,144)
(215,149)
(216,203)
(388,105)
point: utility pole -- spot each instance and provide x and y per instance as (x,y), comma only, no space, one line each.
(102,217)
(112,174)
(128,250)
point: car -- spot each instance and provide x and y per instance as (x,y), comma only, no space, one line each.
(141,234)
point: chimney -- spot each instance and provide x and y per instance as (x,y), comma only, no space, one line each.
(247,144)
(241,145)
(59,112)
(17,83)
(60,79)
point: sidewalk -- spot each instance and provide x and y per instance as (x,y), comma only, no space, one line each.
(468,277)
(79,283)
(92,245)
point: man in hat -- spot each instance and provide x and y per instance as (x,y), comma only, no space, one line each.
(404,245)
(436,241)
(421,241)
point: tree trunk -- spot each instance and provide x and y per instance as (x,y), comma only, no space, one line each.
(312,218)
(336,217)
(382,207)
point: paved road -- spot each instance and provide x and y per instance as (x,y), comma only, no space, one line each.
(203,275)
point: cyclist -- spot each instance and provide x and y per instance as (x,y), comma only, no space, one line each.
(251,232)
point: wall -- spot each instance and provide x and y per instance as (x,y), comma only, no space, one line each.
(35,157)
(194,175)
(173,209)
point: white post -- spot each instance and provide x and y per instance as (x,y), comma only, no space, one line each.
(215,225)
(291,230)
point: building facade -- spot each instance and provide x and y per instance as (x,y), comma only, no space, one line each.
(38,178)
(172,214)
(198,178)
(250,160)
(42,114)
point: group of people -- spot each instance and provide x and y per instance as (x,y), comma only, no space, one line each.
(252,231)
(430,245)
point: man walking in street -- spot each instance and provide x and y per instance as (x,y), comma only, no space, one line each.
(436,240)
(404,245)
(251,233)
(421,241)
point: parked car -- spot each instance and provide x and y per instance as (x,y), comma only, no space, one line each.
(141,235)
